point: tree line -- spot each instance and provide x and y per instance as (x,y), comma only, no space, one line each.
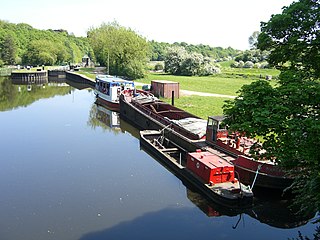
(23,44)
(121,49)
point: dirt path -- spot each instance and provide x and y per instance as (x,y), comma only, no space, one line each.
(204,94)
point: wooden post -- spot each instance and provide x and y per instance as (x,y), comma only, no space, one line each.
(172,98)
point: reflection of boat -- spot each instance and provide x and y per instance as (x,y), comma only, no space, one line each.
(263,173)
(108,117)
(209,173)
(108,89)
(273,212)
(279,214)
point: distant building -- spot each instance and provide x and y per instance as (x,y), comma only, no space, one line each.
(86,61)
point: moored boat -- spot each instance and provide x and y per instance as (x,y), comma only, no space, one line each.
(207,172)
(148,112)
(108,89)
(262,173)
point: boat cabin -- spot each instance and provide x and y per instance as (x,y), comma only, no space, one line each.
(211,168)
(215,129)
(111,86)
(234,143)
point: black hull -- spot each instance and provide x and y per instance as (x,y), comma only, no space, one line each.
(142,121)
(186,176)
(263,180)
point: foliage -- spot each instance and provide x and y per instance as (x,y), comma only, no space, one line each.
(179,62)
(253,40)
(22,44)
(121,49)
(294,37)
(159,50)
(8,49)
(254,56)
(287,116)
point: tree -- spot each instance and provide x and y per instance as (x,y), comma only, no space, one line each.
(253,40)
(121,49)
(19,41)
(294,38)
(9,49)
(174,59)
(179,62)
(287,116)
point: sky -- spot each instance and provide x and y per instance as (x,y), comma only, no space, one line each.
(218,23)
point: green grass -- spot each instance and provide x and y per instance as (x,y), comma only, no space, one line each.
(200,106)
(220,83)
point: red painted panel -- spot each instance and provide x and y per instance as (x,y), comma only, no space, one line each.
(210,167)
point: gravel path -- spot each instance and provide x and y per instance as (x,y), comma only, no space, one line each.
(204,94)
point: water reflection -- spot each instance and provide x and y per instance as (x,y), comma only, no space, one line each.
(66,173)
(21,95)
(104,118)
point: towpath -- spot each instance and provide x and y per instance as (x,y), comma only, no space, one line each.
(204,94)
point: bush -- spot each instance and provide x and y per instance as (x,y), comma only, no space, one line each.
(180,62)
(248,64)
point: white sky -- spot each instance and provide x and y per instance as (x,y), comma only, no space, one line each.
(218,23)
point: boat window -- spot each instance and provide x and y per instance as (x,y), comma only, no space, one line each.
(108,89)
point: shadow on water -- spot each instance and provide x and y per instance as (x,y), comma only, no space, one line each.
(170,223)
(164,224)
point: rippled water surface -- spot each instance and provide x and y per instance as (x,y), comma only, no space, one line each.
(70,169)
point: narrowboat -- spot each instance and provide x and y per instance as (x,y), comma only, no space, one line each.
(208,173)
(146,111)
(108,89)
(262,173)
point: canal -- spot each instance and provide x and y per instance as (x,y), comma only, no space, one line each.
(72,170)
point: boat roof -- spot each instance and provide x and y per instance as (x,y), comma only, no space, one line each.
(210,160)
(112,79)
(218,118)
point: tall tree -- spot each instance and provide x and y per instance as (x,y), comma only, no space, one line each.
(9,49)
(287,116)
(294,38)
(122,50)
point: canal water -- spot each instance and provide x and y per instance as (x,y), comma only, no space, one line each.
(72,170)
